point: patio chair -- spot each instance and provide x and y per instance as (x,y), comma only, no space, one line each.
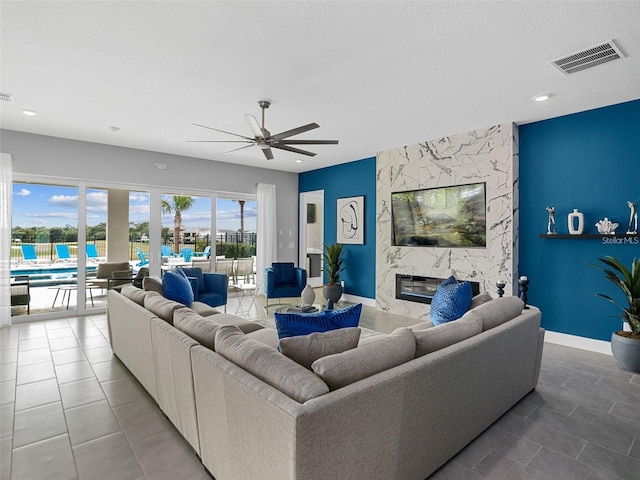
(111,275)
(165,251)
(225,265)
(30,256)
(202,263)
(186,253)
(244,270)
(205,253)
(20,291)
(144,258)
(92,254)
(62,250)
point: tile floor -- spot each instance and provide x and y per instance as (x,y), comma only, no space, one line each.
(70,410)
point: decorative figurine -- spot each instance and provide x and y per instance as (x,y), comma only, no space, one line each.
(524,286)
(633,218)
(551,222)
(500,286)
(606,227)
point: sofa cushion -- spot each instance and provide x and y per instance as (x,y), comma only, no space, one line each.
(441,336)
(268,336)
(268,365)
(368,359)
(176,286)
(306,349)
(247,326)
(292,324)
(451,300)
(479,299)
(201,329)
(498,311)
(152,284)
(284,273)
(203,309)
(421,326)
(161,307)
(134,293)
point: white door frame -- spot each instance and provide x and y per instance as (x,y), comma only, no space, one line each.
(316,196)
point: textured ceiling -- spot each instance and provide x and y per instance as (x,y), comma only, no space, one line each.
(374,75)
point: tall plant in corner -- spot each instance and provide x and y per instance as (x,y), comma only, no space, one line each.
(625,345)
(333,265)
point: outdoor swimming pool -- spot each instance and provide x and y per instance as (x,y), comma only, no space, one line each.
(51,274)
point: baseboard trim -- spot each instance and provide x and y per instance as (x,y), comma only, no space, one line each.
(598,346)
(369,302)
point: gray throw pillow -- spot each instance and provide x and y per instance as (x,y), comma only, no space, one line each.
(152,284)
(306,349)
(161,307)
(268,365)
(441,336)
(481,298)
(203,330)
(368,359)
(134,294)
(498,311)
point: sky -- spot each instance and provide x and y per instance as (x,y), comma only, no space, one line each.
(49,206)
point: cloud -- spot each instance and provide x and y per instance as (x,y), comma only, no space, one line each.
(23,192)
(66,201)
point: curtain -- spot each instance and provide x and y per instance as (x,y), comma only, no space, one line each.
(266,252)
(6,194)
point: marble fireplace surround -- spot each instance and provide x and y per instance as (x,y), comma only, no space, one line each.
(487,155)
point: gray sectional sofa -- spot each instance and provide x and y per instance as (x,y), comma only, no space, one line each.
(397,406)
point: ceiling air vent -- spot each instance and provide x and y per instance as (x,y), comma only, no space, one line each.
(6,97)
(592,57)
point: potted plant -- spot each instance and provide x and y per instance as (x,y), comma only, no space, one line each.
(332,290)
(625,345)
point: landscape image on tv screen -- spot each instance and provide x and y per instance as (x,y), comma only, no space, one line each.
(440,217)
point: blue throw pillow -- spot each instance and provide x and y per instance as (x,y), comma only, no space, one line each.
(451,301)
(176,287)
(294,324)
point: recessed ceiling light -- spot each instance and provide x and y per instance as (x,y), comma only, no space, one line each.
(29,113)
(299,160)
(541,98)
(113,128)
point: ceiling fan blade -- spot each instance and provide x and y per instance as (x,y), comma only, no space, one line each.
(308,142)
(222,131)
(267,153)
(255,126)
(219,141)
(236,149)
(295,131)
(294,150)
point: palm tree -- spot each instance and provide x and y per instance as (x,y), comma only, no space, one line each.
(179,204)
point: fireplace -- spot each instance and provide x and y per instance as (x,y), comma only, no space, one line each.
(415,288)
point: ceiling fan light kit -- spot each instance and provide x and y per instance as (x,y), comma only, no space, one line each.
(263,139)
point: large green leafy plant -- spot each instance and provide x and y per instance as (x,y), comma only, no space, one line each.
(333,262)
(628,281)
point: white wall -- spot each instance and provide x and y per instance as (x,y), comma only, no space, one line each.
(486,155)
(58,158)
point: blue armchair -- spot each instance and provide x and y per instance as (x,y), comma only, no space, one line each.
(283,279)
(209,288)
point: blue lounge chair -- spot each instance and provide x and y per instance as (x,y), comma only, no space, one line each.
(92,254)
(165,251)
(30,256)
(205,253)
(62,250)
(144,258)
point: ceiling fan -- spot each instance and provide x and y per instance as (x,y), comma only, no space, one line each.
(265,141)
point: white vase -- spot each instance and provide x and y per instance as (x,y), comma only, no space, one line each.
(308,296)
(576,217)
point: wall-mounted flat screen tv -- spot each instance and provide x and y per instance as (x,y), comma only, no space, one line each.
(453,216)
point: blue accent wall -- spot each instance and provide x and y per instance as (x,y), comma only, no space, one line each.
(589,161)
(349,180)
